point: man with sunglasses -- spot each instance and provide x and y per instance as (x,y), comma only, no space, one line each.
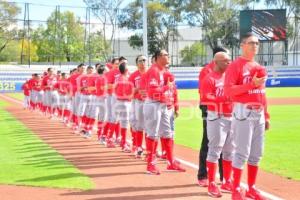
(137,116)
(245,85)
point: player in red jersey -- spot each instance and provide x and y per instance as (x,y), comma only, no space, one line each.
(75,94)
(156,114)
(110,125)
(220,137)
(245,84)
(123,93)
(26,92)
(137,116)
(202,172)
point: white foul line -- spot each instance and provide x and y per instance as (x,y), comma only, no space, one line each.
(186,163)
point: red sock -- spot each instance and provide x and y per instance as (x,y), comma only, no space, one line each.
(100,127)
(123,137)
(168,147)
(150,144)
(237,174)
(87,122)
(139,138)
(117,129)
(106,128)
(112,128)
(227,170)
(133,136)
(91,123)
(211,171)
(252,173)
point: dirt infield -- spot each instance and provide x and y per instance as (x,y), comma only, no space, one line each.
(118,175)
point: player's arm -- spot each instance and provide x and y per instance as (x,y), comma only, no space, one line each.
(231,86)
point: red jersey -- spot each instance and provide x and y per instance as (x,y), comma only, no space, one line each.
(26,89)
(135,79)
(101,84)
(239,86)
(74,82)
(111,76)
(142,90)
(203,73)
(30,82)
(91,83)
(155,85)
(37,85)
(123,88)
(213,94)
(63,87)
(48,82)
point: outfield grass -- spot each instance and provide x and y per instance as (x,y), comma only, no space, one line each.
(19,96)
(282,149)
(26,160)
(192,94)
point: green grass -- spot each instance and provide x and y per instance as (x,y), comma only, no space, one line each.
(282,149)
(19,96)
(26,160)
(192,94)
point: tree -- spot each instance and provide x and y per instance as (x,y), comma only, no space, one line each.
(33,50)
(62,39)
(163,17)
(11,52)
(106,11)
(218,19)
(192,54)
(8,32)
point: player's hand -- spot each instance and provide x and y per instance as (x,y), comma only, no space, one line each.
(267,125)
(170,84)
(258,81)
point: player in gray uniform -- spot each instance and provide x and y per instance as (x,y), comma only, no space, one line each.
(110,125)
(85,97)
(75,91)
(123,93)
(137,115)
(157,115)
(245,84)
(220,137)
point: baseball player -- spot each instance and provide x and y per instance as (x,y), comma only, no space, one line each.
(62,86)
(110,126)
(100,102)
(245,84)
(202,172)
(220,138)
(137,116)
(85,81)
(74,80)
(156,114)
(49,96)
(92,109)
(124,93)
(30,84)
(26,92)
(172,104)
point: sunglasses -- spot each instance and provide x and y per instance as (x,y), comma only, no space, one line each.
(143,60)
